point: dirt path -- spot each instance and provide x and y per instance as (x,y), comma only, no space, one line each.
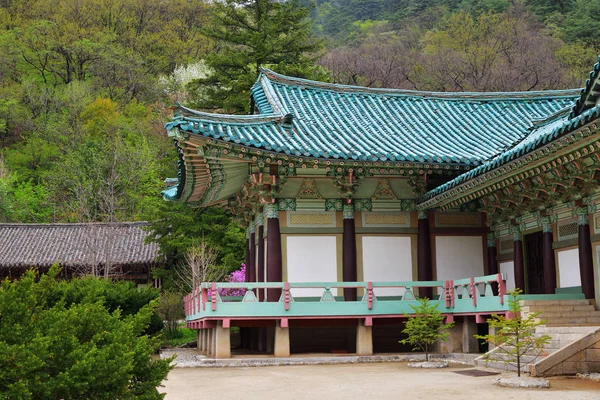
(356,381)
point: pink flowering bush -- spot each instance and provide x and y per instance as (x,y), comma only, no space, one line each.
(236,276)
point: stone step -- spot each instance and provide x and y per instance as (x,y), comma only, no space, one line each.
(565,321)
(579,302)
(550,330)
(545,309)
(566,314)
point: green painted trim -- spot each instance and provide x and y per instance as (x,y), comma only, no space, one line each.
(565,243)
(569,290)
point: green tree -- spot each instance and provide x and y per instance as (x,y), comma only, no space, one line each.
(51,348)
(179,228)
(251,34)
(426,327)
(515,337)
(582,24)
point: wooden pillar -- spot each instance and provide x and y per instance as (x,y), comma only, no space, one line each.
(519,267)
(349,273)
(586,265)
(274,260)
(424,267)
(247,260)
(251,266)
(549,263)
(491,257)
(260,255)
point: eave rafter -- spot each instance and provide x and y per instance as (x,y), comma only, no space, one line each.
(543,171)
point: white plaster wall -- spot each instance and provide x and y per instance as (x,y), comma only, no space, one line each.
(458,257)
(568,268)
(311,259)
(387,259)
(508,268)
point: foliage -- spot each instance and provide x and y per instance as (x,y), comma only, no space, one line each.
(515,337)
(252,34)
(236,276)
(180,336)
(180,228)
(170,309)
(53,345)
(426,327)
(199,266)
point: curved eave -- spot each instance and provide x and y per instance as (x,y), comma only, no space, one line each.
(509,161)
(590,94)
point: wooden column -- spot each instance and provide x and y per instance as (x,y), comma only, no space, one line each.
(247,260)
(251,267)
(274,260)
(491,257)
(549,263)
(519,267)
(349,273)
(424,267)
(260,255)
(586,265)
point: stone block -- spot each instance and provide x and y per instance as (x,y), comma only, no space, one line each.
(573,368)
(222,341)
(578,357)
(282,342)
(592,354)
(364,340)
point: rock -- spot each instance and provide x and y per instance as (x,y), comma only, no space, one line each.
(429,364)
(522,382)
(590,377)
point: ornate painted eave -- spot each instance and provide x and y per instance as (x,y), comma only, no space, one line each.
(555,144)
(306,124)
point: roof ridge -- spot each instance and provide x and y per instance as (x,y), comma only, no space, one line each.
(186,112)
(69,224)
(481,96)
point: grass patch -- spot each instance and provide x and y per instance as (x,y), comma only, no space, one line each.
(179,336)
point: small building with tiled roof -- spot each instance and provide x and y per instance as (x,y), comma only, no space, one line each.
(349,184)
(80,249)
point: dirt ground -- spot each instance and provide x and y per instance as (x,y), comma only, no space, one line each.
(357,381)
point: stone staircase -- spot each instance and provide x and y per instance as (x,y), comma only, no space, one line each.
(567,321)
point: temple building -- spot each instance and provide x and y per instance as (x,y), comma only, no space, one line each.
(350,184)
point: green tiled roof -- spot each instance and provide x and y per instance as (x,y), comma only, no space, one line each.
(313,119)
(541,135)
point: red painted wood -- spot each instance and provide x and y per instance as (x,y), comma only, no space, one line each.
(519,265)
(349,273)
(214,296)
(368,321)
(586,265)
(226,323)
(424,266)
(204,298)
(370,295)
(473,292)
(283,323)
(501,288)
(274,260)
(260,261)
(251,266)
(549,263)
(287,296)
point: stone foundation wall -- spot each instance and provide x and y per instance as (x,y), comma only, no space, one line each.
(582,356)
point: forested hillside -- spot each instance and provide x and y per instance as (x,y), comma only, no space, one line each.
(86,85)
